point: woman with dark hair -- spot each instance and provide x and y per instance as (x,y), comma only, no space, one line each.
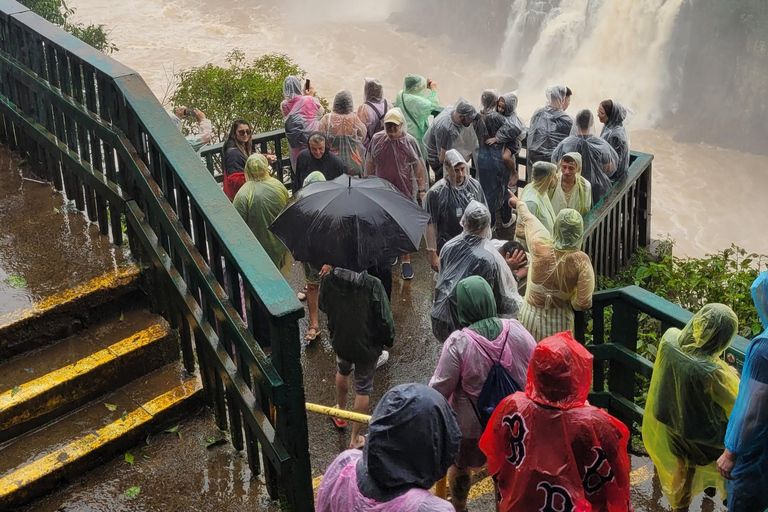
(613,115)
(234,153)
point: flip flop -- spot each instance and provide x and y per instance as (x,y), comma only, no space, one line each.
(312,333)
(302,295)
(339,423)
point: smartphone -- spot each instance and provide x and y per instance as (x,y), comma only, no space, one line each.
(306,85)
(189,112)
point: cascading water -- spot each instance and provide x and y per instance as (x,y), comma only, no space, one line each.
(599,48)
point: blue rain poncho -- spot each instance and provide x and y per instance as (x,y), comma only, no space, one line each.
(747,434)
(615,134)
(549,126)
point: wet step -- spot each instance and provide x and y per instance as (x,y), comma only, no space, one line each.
(38,461)
(44,384)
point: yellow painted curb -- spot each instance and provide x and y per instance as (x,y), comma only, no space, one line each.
(110,281)
(58,461)
(33,390)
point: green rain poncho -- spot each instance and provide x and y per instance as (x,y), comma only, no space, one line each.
(477,307)
(258,202)
(417,103)
(580,198)
(536,196)
(690,399)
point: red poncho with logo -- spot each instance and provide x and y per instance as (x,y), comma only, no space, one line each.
(547,449)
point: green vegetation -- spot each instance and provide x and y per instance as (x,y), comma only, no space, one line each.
(242,90)
(58,13)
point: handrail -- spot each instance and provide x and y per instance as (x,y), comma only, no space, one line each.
(93,128)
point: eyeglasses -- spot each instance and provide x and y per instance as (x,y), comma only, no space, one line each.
(243,132)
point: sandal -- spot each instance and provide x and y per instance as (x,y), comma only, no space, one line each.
(312,333)
(302,295)
(338,422)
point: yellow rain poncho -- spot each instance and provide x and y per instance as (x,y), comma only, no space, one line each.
(536,196)
(258,202)
(579,198)
(690,399)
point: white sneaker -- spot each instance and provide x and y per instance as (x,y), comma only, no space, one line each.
(511,221)
(383,358)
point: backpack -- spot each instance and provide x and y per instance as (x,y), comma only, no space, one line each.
(498,385)
(379,121)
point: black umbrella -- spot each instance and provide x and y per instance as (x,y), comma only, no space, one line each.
(350,223)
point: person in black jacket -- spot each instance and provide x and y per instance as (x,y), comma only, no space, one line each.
(234,153)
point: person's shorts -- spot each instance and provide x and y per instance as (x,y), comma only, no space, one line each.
(363,374)
(311,273)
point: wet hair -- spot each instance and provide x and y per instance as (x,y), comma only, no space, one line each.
(568,92)
(607,107)
(317,138)
(569,159)
(511,246)
(584,119)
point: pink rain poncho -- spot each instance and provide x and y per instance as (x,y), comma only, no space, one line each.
(373,109)
(397,160)
(300,114)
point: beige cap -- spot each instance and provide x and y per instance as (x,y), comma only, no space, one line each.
(394,115)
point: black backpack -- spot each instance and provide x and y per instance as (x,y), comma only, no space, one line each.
(379,121)
(498,385)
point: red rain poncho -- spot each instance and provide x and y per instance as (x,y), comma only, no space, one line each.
(547,449)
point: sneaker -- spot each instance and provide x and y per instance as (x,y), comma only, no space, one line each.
(383,358)
(511,221)
(407,270)
(394,262)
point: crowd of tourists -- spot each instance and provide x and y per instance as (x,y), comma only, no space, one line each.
(509,392)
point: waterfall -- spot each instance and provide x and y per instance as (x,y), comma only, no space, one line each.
(599,48)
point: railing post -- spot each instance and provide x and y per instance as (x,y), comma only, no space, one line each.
(644,219)
(291,424)
(624,324)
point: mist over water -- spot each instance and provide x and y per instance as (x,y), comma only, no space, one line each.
(705,197)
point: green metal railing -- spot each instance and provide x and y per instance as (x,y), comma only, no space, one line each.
(92,128)
(617,363)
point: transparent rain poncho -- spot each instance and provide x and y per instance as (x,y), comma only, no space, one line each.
(513,131)
(373,109)
(615,134)
(412,440)
(560,276)
(301,114)
(580,198)
(691,395)
(259,201)
(445,134)
(417,103)
(491,171)
(598,158)
(345,132)
(747,434)
(549,126)
(445,202)
(472,254)
(396,160)
(536,196)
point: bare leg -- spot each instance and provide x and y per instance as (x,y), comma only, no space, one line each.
(361,406)
(342,390)
(509,163)
(459,481)
(313,296)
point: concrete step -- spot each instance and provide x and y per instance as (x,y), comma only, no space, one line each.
(38,461)
(42,385)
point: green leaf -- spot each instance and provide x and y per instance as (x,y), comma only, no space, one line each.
(132,492)
(757,329)
(111,407)
(17,282)
(213,441)
(15,390)
(122,316)
(124,415)
(172,430)
(129,458)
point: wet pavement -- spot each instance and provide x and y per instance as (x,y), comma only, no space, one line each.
(43,240)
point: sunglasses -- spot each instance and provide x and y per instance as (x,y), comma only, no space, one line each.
(243,132)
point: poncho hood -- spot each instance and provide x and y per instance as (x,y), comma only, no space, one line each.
(560,373)
(710,331)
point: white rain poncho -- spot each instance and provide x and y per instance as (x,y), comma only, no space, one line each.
(536,196)
(616,135)
(445,134)
(549,126)
(472,253)
(417,103)
(345,132)
(373,109)
(300,116)
(747,434)
(513,131)
(598,158)
(445,202)
(396,160)
(560,275)
(580,196)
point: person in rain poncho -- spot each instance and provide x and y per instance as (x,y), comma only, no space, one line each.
(445,203)
(202,135)
(345,132)
(550,125)
(259,202)
(301,112)
(547,449)
(451,130)
(691,395)
(560,275)
(745,459)
(464,366)
(492,174)
(317,157)
(598,158)
(572,189)
(613,115)
(472,254)
(361,326)
(373,109)
(394,156)
(536,197)
(413,438)
(417,99)
(234,154)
